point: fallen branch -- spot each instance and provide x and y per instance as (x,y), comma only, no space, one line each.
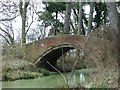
(59,72)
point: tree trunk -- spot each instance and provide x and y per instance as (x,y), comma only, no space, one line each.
(90,18)
(119,43)
(112,14)
(23,27)
(83,30)
(80,18)
(56,24)
(67,18)
(23,12)
(113,19)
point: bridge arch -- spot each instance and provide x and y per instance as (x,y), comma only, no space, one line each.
(52,48)
(54,53)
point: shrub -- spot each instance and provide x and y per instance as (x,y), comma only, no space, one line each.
(44,72)
(102,85)
(15,51)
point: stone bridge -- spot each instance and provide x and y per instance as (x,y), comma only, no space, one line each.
(52,48)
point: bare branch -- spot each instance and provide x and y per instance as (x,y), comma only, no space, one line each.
(9,27)
(90,18)
(3,30)
(29,25)
(20,7)
(9,19)
(9,36)
(75,13)
(61,16)
(71,24)
(2,10)
(26,4)
(77,58)
(5,39)
(59,72)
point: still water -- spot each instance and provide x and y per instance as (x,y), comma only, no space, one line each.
(53,81)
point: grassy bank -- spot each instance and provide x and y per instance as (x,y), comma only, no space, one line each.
(14,66)
(14,69)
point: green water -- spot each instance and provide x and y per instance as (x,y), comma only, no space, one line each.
(53,81)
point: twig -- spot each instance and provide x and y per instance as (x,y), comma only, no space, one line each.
(73,67)
(9,19)
(29,25)
(59,72)
(77,58)
(64,54)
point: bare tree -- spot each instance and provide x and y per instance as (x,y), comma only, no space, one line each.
(23,11)
(8,34)
(67,18)
(90,18)
(8,12)
(80,18)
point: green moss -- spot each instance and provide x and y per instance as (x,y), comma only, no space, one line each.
(44,72)
(16,75)
(30,75)
(6,77)
(102,85)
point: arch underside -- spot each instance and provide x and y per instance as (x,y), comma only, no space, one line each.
(52,55)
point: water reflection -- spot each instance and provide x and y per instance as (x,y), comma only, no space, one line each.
(72,81)
(76,79)
(82,78)
(53,81)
